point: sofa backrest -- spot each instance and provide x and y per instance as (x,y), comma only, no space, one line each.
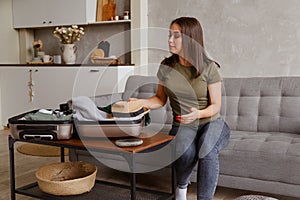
(266,104)
(248,104)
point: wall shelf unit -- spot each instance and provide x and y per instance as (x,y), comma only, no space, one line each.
(111,22)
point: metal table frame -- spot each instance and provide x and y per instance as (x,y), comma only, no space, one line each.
(129,156)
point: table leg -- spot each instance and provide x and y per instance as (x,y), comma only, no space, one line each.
(173,154)
(133,186)
(173,181)
(133,177)
(62,154)
(12,168)
(131,163)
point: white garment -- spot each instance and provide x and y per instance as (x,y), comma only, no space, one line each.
(86,110)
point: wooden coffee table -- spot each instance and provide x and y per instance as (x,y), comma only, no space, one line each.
(97,145)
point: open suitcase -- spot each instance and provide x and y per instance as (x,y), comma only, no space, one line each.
(43,129)
(110,128)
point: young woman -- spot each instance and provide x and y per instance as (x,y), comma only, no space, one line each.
(192,82)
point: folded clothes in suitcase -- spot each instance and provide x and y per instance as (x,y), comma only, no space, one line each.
(28,126)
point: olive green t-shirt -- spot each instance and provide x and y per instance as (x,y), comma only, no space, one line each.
(185,91)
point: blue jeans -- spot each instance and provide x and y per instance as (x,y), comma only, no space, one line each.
(200,145)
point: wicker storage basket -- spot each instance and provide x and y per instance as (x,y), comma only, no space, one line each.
(66,178)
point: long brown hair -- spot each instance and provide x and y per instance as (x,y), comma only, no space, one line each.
(192,44)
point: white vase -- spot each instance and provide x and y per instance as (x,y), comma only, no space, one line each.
(69,53)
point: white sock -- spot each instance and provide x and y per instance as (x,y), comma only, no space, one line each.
(181,193)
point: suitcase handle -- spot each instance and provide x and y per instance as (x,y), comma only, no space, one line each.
(28,136)
(38,134)
(46,128)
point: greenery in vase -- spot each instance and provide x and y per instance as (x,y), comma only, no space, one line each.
(68,35)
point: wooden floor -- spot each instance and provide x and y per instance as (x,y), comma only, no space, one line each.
(27,165)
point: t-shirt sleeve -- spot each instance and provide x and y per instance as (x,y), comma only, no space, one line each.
(213,73)
(162,71)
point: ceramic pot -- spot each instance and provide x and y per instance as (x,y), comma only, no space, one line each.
(69,53)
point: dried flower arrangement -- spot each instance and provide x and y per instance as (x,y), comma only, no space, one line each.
(68,35)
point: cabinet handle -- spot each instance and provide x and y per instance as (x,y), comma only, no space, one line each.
(44,22)
(50,22)
(36,70)
(94,70)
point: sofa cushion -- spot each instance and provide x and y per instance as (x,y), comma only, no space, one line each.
(262,104)
(267,156)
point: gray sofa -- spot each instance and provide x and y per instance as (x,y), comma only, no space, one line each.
(263,113)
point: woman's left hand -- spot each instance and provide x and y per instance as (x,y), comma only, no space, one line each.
(189,118)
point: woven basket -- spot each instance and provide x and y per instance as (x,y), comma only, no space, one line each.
(66,178)
(105,61)
(254,197)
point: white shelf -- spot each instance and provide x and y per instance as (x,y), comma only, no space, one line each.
(112,22)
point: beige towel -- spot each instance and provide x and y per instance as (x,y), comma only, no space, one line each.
(126,107)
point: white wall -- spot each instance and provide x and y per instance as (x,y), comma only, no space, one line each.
(9,40)
(248,37)
(1,126)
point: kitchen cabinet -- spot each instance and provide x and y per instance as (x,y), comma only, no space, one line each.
(54,85)
(43,13)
